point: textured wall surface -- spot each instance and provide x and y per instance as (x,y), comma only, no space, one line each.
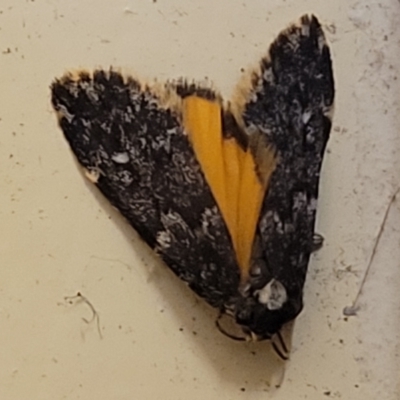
(153,338)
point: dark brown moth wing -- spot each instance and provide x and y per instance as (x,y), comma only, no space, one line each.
(291,103)
(140,158)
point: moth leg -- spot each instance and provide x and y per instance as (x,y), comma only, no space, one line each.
(225,332)
(317,243)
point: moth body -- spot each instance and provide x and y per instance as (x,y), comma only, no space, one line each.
(224,192)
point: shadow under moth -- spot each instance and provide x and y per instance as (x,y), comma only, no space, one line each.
(224,192)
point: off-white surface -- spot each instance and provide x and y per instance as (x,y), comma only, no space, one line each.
(158,341)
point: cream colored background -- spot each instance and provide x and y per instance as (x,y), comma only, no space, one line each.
(158,341)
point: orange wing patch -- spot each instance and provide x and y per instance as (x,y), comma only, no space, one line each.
(235,178)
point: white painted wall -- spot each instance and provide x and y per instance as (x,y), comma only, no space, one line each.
(58,236)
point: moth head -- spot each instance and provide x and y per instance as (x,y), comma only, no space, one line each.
(261,312)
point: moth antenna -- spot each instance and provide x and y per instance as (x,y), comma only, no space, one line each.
(224,332)
(278,352)
(350,311)
(283,345)
(282,342)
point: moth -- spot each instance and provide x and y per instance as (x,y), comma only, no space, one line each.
(225,192)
